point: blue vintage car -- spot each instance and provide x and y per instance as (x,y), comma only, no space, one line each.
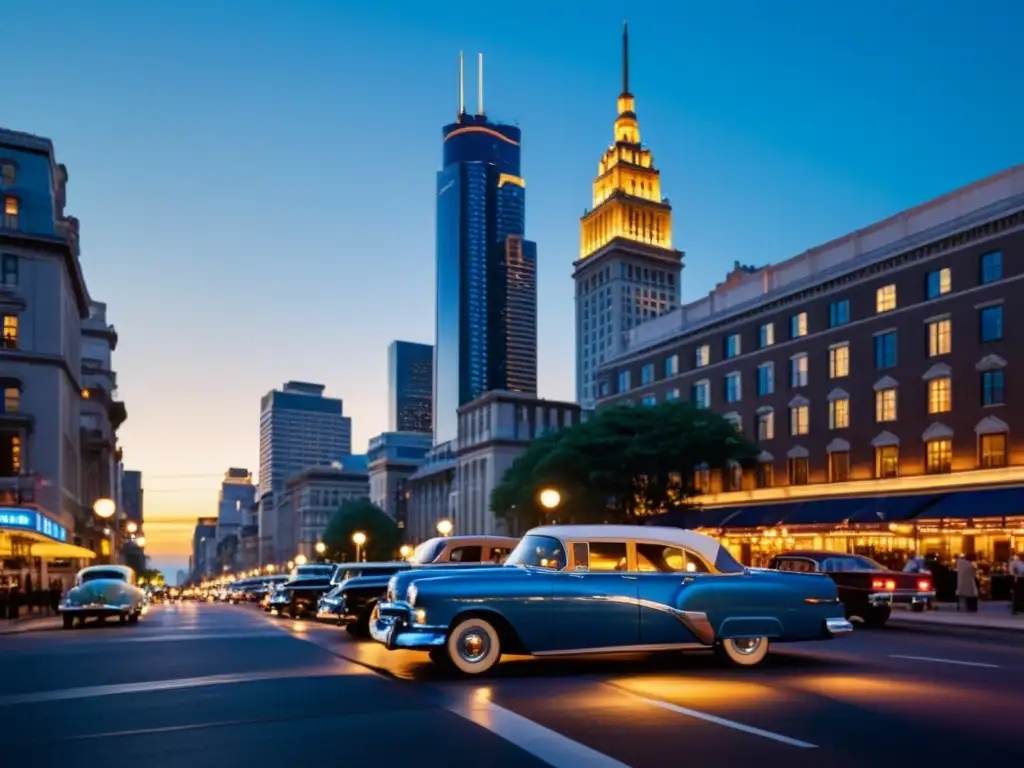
(605,589)
(103,591)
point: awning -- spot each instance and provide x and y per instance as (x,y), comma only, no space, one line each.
(892,509)
(963,505)
(823,511)
(691,519)
(55,550)
(762,515)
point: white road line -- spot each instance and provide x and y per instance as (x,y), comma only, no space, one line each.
(729,724)
(945,661)
(90,692)
(553,748)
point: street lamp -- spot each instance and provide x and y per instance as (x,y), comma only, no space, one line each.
(405,551)
(106,509)
(359,539)
(140,541)
(291,564)
(550,498)
(132,527)
(300,559)
(320,549)
(270,568)
(444,527)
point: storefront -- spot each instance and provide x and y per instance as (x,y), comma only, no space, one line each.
(35,552)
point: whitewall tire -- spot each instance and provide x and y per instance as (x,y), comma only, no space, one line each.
(744,651)
(473,646)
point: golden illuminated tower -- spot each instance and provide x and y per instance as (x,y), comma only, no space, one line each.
(628,271)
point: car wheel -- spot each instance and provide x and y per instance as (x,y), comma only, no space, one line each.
(68,620)
(876,617)
(473,646)
(743,651)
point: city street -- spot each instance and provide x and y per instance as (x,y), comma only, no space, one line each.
(205,684)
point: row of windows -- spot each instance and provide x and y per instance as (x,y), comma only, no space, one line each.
(937,283)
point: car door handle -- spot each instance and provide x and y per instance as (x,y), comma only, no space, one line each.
(688,580)
(631,578)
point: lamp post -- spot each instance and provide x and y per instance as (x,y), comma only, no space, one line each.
(359,539)
(106,509)
(444,527)
(140,541)
(550,499)
(320,549)
(300,559)
(405,551)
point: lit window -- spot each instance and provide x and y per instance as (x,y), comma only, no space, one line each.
(885,299)
(839,361)
(938,283)
(12,400)
(702,356)
(838,466)
(16,454)
(765,474)
(798,325)
(702,479)
(733,388)
(766,425)
(887,461)
(798,371)
(732,477)
(671,365)
(940,395)
(992,451)
(885,405)
(7,174)
(799,471)
(9,340)
(10,212)
(839,413)
(939,456)
(766,335)
(799,419)
(940,334)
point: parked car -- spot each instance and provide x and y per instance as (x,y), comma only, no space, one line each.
(360,586)
(103,591)
(299,597)
(867,589)
(605,589)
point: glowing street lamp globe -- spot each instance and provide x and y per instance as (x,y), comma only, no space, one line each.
(359,538)
(550,498)
(405,551)
(104,508)
(444,527)
(132,527)
(320,547)
(140,541)
(300,559)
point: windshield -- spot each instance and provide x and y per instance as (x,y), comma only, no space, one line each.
(539,551)
(427,552)
(307,583)
(97,575)
(850,563)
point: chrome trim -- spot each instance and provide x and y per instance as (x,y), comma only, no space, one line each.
(697,622)
(95,607)
(836,626)
(625,649)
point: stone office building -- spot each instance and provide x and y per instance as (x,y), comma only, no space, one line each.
(878,363)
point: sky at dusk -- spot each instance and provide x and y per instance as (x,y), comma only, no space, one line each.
(255,179)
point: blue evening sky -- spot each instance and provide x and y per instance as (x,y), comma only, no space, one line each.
(255,179)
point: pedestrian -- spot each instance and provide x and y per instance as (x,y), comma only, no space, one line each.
(966,584)
(916,564)
(1016,571)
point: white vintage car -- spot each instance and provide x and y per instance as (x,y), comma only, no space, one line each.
(101,591)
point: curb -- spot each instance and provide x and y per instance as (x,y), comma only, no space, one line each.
(28,630)
(950,629)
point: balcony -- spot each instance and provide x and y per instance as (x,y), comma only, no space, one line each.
(94,440)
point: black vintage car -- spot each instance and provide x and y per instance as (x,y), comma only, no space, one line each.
(299,597)
(867,589)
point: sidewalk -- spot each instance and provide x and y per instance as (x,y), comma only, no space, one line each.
(29,624)
(990,616)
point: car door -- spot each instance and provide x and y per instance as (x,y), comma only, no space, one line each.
(596,602)
(663,572)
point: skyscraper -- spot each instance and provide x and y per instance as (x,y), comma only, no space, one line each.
(486,317)
(300,428)
(628,271)
(237,494)
(410,387)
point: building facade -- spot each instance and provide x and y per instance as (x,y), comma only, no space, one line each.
(430,493)
(877,363)
(237,496)
(299,428)
(410,387)
(204,550)
(311,497)
(627,272)
(393,458)
(485,335)
(132,496)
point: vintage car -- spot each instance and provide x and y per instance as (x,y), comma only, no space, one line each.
(867,589)
(605,589)
(360,586)
(101,591)
(300,596)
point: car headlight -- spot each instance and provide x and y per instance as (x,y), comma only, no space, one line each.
(410,594)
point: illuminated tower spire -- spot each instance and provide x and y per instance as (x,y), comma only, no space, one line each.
(625,57)
(480,85)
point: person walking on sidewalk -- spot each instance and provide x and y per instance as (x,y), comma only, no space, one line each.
(1016,571)
(966,584)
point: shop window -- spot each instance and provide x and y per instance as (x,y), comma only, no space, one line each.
(938,456)
(887,461)
(992,451)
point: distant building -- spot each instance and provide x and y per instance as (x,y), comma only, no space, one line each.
(131,496)
(410,387)
(299,428)
(204,549)
(394,457)
(180,577)
(237,495)
(309,500)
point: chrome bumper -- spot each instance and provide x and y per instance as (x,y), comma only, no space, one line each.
(393,628)
(95,608)
(838,626)
(876,599)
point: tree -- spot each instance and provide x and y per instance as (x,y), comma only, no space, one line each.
(382,535)
(624,463)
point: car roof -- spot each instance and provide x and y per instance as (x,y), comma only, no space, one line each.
(124,570)
(705,546)
(372,566)
(816,554)
(482,539)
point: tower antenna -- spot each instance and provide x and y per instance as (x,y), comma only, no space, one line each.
(480,85)
(462,96)
(625,57)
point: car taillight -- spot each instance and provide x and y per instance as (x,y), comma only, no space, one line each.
(924,585)
(890,585)
(877,584)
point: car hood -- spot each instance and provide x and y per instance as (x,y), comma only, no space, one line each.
(399,583)
(106,591)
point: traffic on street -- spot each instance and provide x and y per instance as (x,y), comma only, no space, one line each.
(207,683)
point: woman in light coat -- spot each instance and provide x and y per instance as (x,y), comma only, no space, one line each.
(966,584)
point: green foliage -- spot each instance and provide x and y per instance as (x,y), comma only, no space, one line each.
(382,535)
(623,463)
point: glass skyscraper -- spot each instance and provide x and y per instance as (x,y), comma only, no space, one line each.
(486,334)
(410,387)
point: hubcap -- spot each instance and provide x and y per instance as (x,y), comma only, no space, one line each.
(473,645)
(746,645)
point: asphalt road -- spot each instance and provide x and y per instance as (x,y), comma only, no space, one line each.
(200,684)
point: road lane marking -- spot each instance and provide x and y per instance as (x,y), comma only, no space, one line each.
(89,692)
(945,661)
(729,723)
(553,748)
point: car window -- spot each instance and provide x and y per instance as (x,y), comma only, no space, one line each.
(539,552)
(795,565)
(850,563)
(581,555)
(96,575)
(657,558)
(466,555)
(499,554)
(427,552)
(608,556)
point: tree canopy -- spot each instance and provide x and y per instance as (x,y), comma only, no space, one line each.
(382,534)
(623,463)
